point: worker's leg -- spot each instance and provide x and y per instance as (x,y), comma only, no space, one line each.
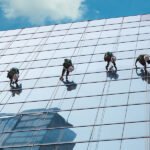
(63,72)
(67,74)
(115,65)
(16,82)
(107,65)
(11,81)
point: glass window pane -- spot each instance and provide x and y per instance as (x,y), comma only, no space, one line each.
(87,102)
(110,115)
(12,32)
(92,29)
(75,37)
(79,25)
(28,30)
(142,113)
(96,22)
(145,17)
(91,89)
(144,30)
(131,18)
(130,24)
(23,37)
(76,31)
(88,117)
(114,20)
(117,87)
(62,26)
(112,27)
(45,28)
(136,130)
(129,31)
(135,144)
(110,33)
(103,132)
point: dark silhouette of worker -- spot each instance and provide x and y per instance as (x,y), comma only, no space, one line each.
(143,59)
(67,67)
(71,85)
(144,76)
(110,59)
(13,75)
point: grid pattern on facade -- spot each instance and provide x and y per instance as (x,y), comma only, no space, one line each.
(96,111)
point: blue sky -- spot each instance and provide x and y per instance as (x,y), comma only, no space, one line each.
(16,14)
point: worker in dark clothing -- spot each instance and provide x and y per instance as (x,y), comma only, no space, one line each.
(67,67)
(110,58)
(13,75)
(143,59)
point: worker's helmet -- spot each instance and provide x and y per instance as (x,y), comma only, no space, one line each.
(146,58)
(71,68)
(67,60)
(113,59)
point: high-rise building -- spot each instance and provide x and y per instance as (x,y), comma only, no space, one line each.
(93,110)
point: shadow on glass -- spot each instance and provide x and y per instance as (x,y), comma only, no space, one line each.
(16,90)
(112,75)
(144,76)
(71,85)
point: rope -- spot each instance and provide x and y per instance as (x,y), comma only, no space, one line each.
(81,38)
(8,65)
(35,57)
(106,98)
(129,90)
(55,90)
(57,86)
(64,93)
(19,67)
(82,81)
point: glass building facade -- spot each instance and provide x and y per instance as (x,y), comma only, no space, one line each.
(95,110)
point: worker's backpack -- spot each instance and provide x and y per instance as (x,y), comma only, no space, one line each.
(108,56)
(67,63)
(9,74)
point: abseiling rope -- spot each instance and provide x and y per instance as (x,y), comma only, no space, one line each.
(106,97)
(84,76)
(129,88)
(6,68)
(35,57)
(58,83)
(22,72)
(19,67)
(82,37)
(51,102)
(78,47)
(56,88)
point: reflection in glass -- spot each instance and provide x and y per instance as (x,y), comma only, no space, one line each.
(26,122)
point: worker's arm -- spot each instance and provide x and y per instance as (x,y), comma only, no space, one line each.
(137,72)
(136,62)
(145,68)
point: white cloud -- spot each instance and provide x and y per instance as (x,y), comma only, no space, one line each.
(38,11)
